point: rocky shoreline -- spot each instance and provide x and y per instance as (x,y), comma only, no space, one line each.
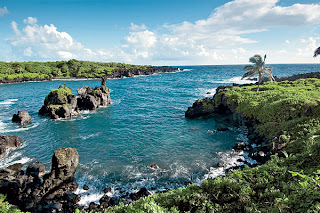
(116,74)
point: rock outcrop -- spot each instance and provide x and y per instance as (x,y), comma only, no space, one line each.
(200,108)
(22,117)
(60,103)
(92,99)
(35,191)
(9,142)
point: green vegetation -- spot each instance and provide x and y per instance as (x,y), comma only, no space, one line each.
(5,207)
(61,92)
(287,110)
(60,69)
(258,69)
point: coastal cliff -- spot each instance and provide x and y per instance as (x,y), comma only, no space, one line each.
(283,118)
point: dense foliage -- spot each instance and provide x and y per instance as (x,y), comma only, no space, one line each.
(283,184)
(60,69)
(5,207)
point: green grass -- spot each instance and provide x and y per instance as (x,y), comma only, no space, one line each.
(6,207)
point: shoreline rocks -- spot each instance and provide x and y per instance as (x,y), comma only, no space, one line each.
(36,191)
(22,117)
(8,142)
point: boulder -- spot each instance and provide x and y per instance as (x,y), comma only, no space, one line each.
(240,146)
(7,142)
(153,166)
(22,117)
(64,163)
(143,192)
(200,108)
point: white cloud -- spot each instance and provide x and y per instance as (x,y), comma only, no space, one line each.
(3,11)
(28,51)
(14,27)
(222,38)
(46,42)
(135,27)
(30,20)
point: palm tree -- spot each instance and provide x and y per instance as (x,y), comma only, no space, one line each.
(316,52)
(259,68)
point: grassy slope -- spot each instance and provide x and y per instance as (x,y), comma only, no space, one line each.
(60,69)
(287,184)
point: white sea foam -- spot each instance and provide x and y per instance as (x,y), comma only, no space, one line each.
(12,158)
(86,199)
(90,136)
(236,80)
(8,102)
(229,159)
(19,129)
(2,125)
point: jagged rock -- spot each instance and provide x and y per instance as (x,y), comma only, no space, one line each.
(106,201)
(240,146)
(54,194)
(85,187)
(60,103)
(220,165)
(200,108)
(64,163)
(7,142)
(36,169)
(22,117)
(91,99)
(153,166)
(143,192)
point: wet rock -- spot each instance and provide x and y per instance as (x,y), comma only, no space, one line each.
(85,187)
(7,142)
(153,166)
(22,117)
(222,129)
(240,146)
(107,201)
(106,190)
(64,163)
(143,192)
(220,165)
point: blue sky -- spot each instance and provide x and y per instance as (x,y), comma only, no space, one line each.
(160,32)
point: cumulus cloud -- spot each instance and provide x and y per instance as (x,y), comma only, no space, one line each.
(222,38)
(30,20)
(3,11)
(46,42)
(135,27)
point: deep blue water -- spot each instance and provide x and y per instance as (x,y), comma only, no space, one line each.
(145,124)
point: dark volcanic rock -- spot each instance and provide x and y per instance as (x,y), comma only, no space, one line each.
(143,192)
(60,103)
(200,108)
(7,142)
(153,166)
(91,99)
(240,146)
(53,194)
(22,117)
(36,169)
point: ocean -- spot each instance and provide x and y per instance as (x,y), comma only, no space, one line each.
(145,124)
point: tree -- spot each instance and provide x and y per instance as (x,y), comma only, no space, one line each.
(316,52)
(259,69)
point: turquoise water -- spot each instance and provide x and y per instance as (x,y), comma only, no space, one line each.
(145,124)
